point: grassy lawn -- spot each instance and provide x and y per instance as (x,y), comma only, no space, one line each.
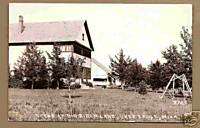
(94,104)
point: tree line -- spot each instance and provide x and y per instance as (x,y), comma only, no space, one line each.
(32,71)
(129,72)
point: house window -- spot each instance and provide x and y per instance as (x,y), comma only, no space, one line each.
(66,48)
(83,36)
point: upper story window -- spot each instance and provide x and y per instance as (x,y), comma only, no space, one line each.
(83,36)
(67,48)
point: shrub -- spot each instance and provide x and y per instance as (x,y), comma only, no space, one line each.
(15,83)
(89,84)
(41,84)
(142,88)
(103,86)
(75,86)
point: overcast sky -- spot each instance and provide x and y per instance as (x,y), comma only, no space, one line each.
(142,30)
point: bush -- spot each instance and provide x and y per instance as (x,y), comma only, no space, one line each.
(75,86)
(27,84)
(142,88)
(42,84)
(103,86)
(89,84)
(15,83)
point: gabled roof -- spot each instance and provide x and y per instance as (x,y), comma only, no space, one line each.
(48,32)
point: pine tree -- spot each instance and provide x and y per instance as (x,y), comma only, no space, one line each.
(179,62)
(62,68)
(174,64)
(16,80)
(135,73)
(156,75)
(72,68)
(56,66)
(31,67)
(119,66)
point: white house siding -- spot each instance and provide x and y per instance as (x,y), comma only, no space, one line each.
(87,60)
(66,55)
(84,42)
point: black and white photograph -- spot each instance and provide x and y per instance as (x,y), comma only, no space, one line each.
(73,62)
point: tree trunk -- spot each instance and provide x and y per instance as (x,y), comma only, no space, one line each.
(32,84)
(122,85)
(58,84)
(82,76)
(69,93)
(48,84)
(70,100)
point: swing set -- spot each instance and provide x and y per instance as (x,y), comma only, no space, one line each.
(185,90)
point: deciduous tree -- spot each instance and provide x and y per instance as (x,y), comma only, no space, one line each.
(186,52)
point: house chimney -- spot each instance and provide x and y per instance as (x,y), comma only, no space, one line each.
(21,23)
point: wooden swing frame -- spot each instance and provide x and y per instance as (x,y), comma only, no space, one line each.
(185,85)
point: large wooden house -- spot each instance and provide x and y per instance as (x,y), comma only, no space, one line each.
(73,37)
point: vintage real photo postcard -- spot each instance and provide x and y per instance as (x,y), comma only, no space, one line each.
(100,62)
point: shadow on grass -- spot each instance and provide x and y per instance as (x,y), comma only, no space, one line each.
(76,96)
